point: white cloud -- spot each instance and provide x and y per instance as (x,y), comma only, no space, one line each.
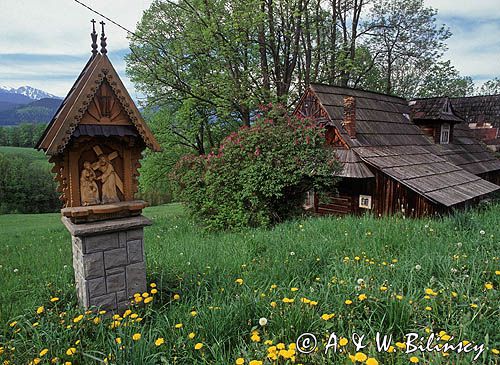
(486,9)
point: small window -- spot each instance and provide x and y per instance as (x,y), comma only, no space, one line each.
(445,133)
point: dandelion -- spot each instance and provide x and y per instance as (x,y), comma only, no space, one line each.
(327,317)
(488,286)
(240,361)
(360,357)
(178,325)
(274,304)
(371,361)
(288,300)
(193,313)
(294,289)
(136,337)
(159,342)
(148,300)
(118,340)
(198,346)
(191,335)
(383,288)
(239,281)
(71,351)
(360,281)
(414,359)
(428,308)
(495,351)
(154,291)
(40,310)
(78,319)
(54,299)
(362,297)
(274,286)
(177,297)
(152,285)
(418,267)
(473,305)
(348,302)
(44,352)
(343,341)
(263,321)
(13,324)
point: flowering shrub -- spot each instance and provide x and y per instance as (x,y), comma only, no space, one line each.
(259,174)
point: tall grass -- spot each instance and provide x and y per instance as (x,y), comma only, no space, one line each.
(454,258)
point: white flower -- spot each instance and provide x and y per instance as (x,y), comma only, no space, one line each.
(453,270)
(292,253)
(482,232)
(16,270)
(357,287)
(459,244)
(263,321)
(360,281)
(418,267)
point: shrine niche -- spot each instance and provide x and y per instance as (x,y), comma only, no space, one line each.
(95,141)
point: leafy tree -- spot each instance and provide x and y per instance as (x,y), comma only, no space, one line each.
(259,175)
(405,35)
(490,87)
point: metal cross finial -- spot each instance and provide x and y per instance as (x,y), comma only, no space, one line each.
(93,35)
(103,40)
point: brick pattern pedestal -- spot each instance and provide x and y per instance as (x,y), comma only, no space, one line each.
(109,261)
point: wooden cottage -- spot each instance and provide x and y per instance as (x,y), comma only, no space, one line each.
(95,140)
(393,162)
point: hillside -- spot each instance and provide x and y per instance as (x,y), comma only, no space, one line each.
(38,111)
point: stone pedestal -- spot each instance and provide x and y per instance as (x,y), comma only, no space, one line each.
(109,261)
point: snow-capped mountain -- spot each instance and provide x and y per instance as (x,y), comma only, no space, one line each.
(30,92)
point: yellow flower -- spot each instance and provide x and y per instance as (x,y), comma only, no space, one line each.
(177,297)
(495,351)
(348,302)
(294,289)
(401,345)
(343,341)
(36,324)
(312,303)
(154,291)
(239,281)
(193,313)
(255,362)
(414,359)
(44,352)
(54,299)
(360,357)
(71,351)
(274,304)
(198,346)
(305,300)
(383,288)
(497,272)
(145,294)
(473,305)
(36,361)
(134,315)
(428,308)
(371,361)
(454,294)
(159,341)
(97,320)
(191,335)
(240,361)
(399,297)
(118,340)
(78,319)
(327,317)
(13,324)
(153,285)
(488,286)
(102,312)
(148,300)
(288,300)
(255,337)
(268,342)
(274,286)
(40,310)
(136,337)
(362,297)
(178,325)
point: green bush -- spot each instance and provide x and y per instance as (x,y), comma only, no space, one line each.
(259,175)
(26,186)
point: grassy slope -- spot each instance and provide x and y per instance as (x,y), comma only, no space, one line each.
(310,255)
(30,153)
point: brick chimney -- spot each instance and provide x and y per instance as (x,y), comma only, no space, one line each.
(350,115)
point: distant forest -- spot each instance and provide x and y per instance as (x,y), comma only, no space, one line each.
(23,135)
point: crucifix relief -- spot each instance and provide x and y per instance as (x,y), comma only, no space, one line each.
(108,177)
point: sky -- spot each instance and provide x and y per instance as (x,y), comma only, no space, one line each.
(46,43)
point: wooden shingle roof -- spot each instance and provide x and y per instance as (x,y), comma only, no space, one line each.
(478,109)
(66,120)
(388,140)
(434,109)
(464,149)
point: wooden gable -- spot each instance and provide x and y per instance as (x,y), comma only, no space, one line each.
(98,97)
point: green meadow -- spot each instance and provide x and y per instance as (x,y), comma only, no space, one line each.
(208,292)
